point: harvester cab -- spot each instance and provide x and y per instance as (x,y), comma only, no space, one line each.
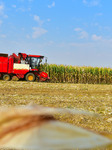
(34,61)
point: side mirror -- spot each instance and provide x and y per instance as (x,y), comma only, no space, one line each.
(46,60)
(40,60)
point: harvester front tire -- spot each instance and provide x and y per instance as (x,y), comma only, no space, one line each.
(30,77)
(6,77)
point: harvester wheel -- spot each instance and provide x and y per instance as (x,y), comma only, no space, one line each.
(6,77)
(30,77)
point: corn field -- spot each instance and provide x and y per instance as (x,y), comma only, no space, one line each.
(74,74)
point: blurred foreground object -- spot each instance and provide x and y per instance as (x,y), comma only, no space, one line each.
(35,128)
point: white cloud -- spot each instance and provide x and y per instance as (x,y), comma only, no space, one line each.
(99,14)
(77,29)
(14,6)
(48,20)
(37,19)
(28,36)
(38,32)
(3,36)
(84,1)
(91,2)
(23,9)
(82,34)
(96,38)
(5,16)
(2,11)
(1,8)
(52,5)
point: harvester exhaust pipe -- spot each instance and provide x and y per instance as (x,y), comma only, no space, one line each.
(45,60)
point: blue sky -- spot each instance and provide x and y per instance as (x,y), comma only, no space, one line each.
(69,32)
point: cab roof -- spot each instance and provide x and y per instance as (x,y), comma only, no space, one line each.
(36,56)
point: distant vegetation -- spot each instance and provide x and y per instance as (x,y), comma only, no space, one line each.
(74,74)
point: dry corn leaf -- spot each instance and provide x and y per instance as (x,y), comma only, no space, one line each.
(34,128)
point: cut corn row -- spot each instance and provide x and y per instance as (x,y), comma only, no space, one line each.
(74,74)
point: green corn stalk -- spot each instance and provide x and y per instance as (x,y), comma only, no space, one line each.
(75,74)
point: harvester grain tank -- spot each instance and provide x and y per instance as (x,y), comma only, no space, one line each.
(22,66)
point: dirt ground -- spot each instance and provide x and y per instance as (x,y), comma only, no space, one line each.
(95,98)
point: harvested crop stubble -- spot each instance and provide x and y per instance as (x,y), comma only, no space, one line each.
(96,98)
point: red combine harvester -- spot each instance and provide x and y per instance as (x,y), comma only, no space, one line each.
(22,66)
